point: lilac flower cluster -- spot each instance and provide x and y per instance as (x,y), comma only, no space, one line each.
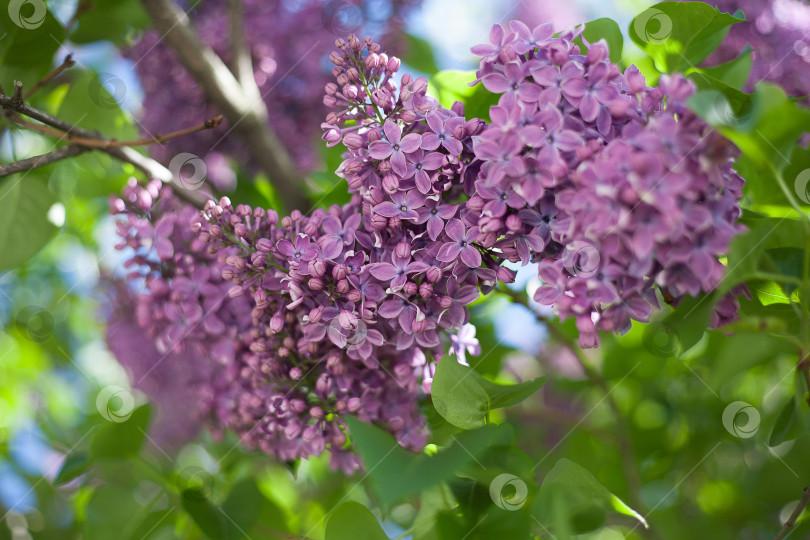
(288,70)
(778,32)
(612,186)
(178,336)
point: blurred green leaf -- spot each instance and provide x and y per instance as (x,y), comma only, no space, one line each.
(680,35)
(582,500)
(27,46)
(420,54)
(608,30)
(93,102)
(76,463)
(351,520)
(788,425)
(733,73)
(205,514)
(464,398)
(24,225)
(396,473)
(111,513)
(122,439)
(109,20)
(452,85)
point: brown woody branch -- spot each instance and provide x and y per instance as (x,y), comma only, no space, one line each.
(66,64)
(791,521)
(246,112)
(40,161)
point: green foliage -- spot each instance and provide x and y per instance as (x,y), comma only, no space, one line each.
(420,54)
(608,30)
(573,500)
(464,398)
(680,35)
(351,519)
(26,53)
(24,225)
(109,20)
(452,85)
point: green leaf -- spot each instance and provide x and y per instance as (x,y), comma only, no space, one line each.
(242,507)
(206,515)
(787,426)
(680,35)
(464,398)
(608,30)
(351,520)
(689,320)
(24,225)
(420,55)
(452,85)
(93,102)
(109,20)
(396,473)
(76,463)
(111,513)
(571,495)
(734,73)
(26,52)
(122,439)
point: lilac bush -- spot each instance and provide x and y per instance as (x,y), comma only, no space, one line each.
(614,189)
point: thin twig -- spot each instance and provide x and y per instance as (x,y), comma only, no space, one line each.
(41,160)
(149,167)
(104,144)
(68,63)
(791,521)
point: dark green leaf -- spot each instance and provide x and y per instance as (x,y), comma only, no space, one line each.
(452,85)
(109,20)
(351,520)
(680,35)
(206,515)
(93,102)
(608,30)
(788,425)
(75,464)
(734,73)
(582,500)
(28,44)
(396,473)
(111,513)
(464,398)
(122,439)
(24,225)
(420,55)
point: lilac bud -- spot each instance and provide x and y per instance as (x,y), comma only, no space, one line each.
(272,217)
(342,286)
(316,284)
(406,79)
(331,88)
(240,230)
(434,274)
(378,221)
(258,346)
(316,314)
(514,223)
(354,296)
(419,326)
(339,272)
(390,183)
(216,231)
(317,267)
(235,292)
(374,135)
(227,274)
(331,102)
(353,404)
(374,195)
(384,167)
(425,290)
(446,302)
(372,61)
(403,250)
(289,342)
(276,324)
(316,412)
(355,182)
(353,75)
(336,58)
(505,275)
(351,92)
(475,204)
(408,116)
(310,229)
(410,288)
(296,373)
(342,79)
(460,132)
(393,65)
(286,222)
(395,222)
(353,141)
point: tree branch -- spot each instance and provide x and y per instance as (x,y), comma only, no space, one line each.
(150,167)
(40,161)
(247,115)
(66,64)
(791,521)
